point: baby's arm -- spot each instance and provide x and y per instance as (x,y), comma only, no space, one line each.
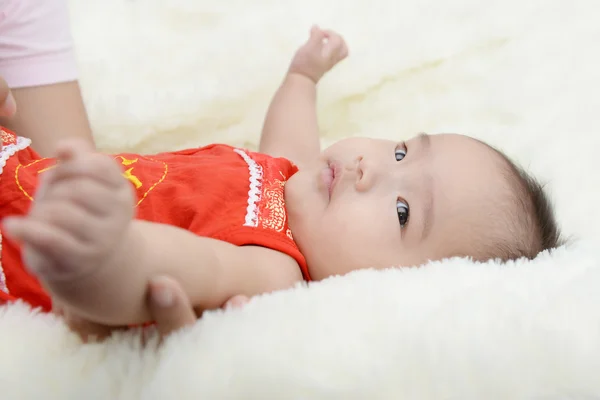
(291,128)
(80,240)
(210,272)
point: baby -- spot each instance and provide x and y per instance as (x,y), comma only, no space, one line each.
(225,221)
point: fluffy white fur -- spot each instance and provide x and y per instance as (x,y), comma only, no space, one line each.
(521,75)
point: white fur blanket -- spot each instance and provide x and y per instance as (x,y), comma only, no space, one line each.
(522,75)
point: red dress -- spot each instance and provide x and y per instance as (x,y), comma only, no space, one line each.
(217,191)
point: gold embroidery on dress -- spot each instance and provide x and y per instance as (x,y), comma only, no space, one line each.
(126,161)
(46,169)
(132,178)
(7,138)
(21,188)
(273,215)
(162,178)
(128,174)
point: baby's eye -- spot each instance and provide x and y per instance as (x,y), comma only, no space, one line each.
(402,209)
(400,153)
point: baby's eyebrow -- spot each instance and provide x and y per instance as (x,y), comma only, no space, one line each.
(424,141)
(427,208)
(424,148)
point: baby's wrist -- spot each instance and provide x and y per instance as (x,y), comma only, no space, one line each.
(302,75)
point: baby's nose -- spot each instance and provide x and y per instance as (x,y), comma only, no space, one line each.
(355,166)
(366,173)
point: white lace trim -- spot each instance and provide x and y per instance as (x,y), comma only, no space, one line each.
(10,150)
(254,194)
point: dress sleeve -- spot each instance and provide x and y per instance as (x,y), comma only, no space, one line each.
(36,47)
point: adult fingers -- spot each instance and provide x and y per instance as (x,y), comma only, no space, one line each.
(169,306)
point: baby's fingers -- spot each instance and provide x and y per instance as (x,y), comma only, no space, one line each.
(97,167)
(334,46)
(317,35)
(70,149)
(40,236)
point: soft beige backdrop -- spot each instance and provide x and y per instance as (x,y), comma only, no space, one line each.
(521,74)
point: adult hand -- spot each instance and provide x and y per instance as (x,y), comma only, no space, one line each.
(169,307)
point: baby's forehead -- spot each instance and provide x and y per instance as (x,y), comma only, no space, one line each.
(475,191)
(469,151)
(469,175)
(454,139)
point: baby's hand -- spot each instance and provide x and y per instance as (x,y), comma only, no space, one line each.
(82,210)
(323,50)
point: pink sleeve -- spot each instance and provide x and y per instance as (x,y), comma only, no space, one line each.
(35,43)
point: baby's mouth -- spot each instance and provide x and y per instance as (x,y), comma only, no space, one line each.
(331,167)
(328,176)
(333,173)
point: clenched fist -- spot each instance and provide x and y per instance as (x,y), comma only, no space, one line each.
(321,52)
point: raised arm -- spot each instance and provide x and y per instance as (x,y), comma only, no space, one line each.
(291,128)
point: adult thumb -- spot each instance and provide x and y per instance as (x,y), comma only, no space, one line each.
(169,306)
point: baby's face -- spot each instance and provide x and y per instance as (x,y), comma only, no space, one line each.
(372,203)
